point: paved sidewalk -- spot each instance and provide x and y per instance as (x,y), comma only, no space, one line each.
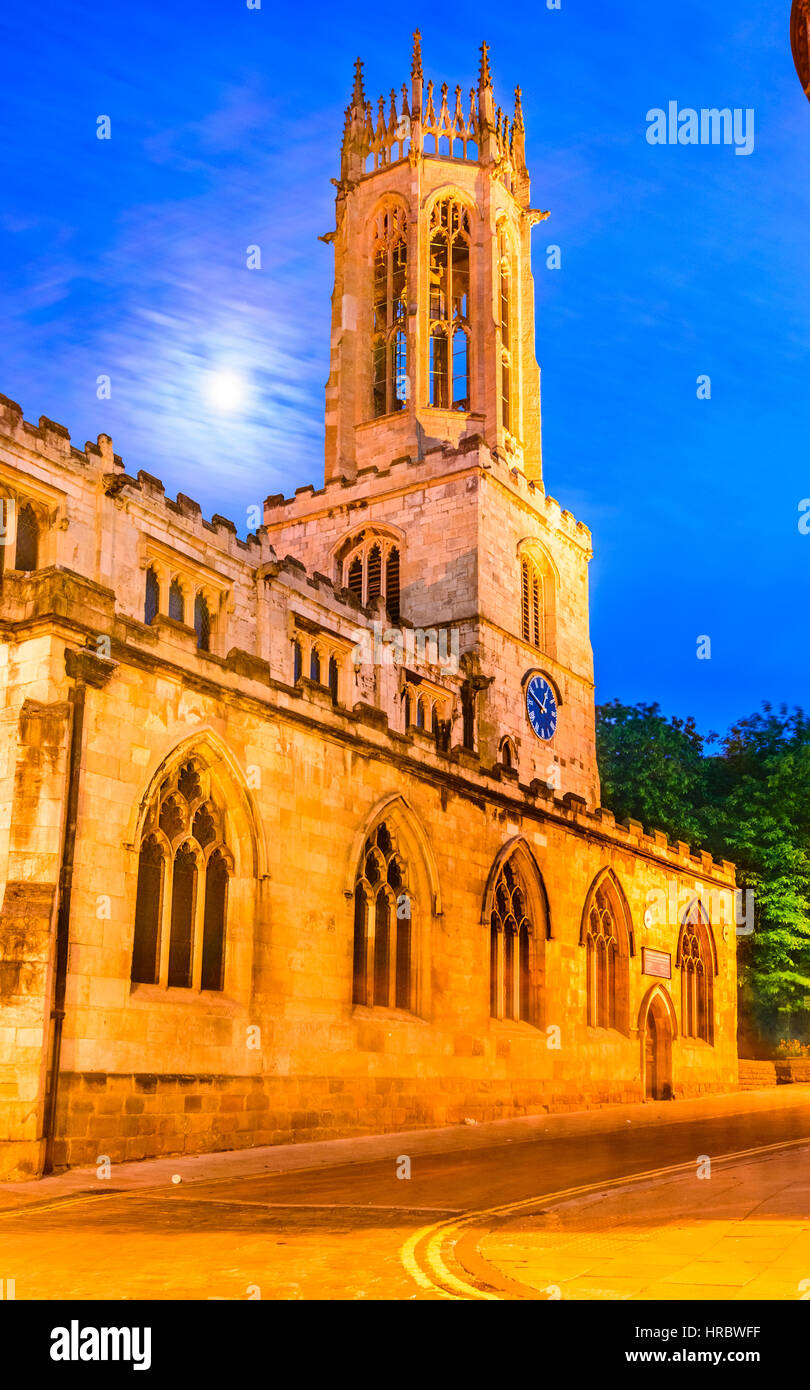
(287,1158)
(743,1233)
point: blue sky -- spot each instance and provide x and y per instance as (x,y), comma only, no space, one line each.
(127,258)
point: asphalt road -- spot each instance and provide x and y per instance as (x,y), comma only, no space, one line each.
(348,1232)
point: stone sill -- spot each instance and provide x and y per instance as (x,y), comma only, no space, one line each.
(381,419)
(212,1000)
(377,1014)
(517,1028)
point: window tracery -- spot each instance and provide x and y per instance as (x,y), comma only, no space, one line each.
(181,898)
(383,975)
(389,311)
(449,306)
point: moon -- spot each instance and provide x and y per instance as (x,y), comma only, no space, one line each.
(226,390)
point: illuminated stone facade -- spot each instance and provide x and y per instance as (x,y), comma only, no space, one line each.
(281,855)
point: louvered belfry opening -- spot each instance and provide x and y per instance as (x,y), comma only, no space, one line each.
(374,572)
(392,584)
(368,564)
(531,595)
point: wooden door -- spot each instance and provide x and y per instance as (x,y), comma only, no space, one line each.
(651,1059)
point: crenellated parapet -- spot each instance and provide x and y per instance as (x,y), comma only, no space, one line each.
(266,611)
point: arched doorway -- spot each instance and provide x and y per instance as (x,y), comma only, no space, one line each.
(656,1031)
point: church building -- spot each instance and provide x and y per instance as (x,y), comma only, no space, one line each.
(301,835)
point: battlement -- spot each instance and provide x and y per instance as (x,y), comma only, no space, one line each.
(50,443)
(438,464)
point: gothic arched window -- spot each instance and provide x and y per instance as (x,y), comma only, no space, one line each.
(697,976)
(182,890)
(449,306)
(151,603)
(177,602)
(605,937)
(383,975)
(27,554)
(511,946)
(389,311)
(202,623)
(508,758)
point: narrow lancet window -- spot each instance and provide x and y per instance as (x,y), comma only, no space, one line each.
(148,903)
(27,554)
(390,386)
(449,299)
(505,359)
(151,605)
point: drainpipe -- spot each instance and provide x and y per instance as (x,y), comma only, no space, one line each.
(85,668)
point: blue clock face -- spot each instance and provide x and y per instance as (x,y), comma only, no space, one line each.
(541,707)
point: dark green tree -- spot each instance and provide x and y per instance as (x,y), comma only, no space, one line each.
(758,815)
(748,801)
(652,769)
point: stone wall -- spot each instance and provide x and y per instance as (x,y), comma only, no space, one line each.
(755,1075)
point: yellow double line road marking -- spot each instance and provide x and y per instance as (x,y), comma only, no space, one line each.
(422,1253)
(33,1208)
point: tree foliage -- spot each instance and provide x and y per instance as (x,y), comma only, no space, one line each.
(745,797)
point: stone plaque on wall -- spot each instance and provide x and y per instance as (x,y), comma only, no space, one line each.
(658,963)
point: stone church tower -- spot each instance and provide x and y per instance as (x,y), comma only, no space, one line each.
(433,371)
(433,306)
